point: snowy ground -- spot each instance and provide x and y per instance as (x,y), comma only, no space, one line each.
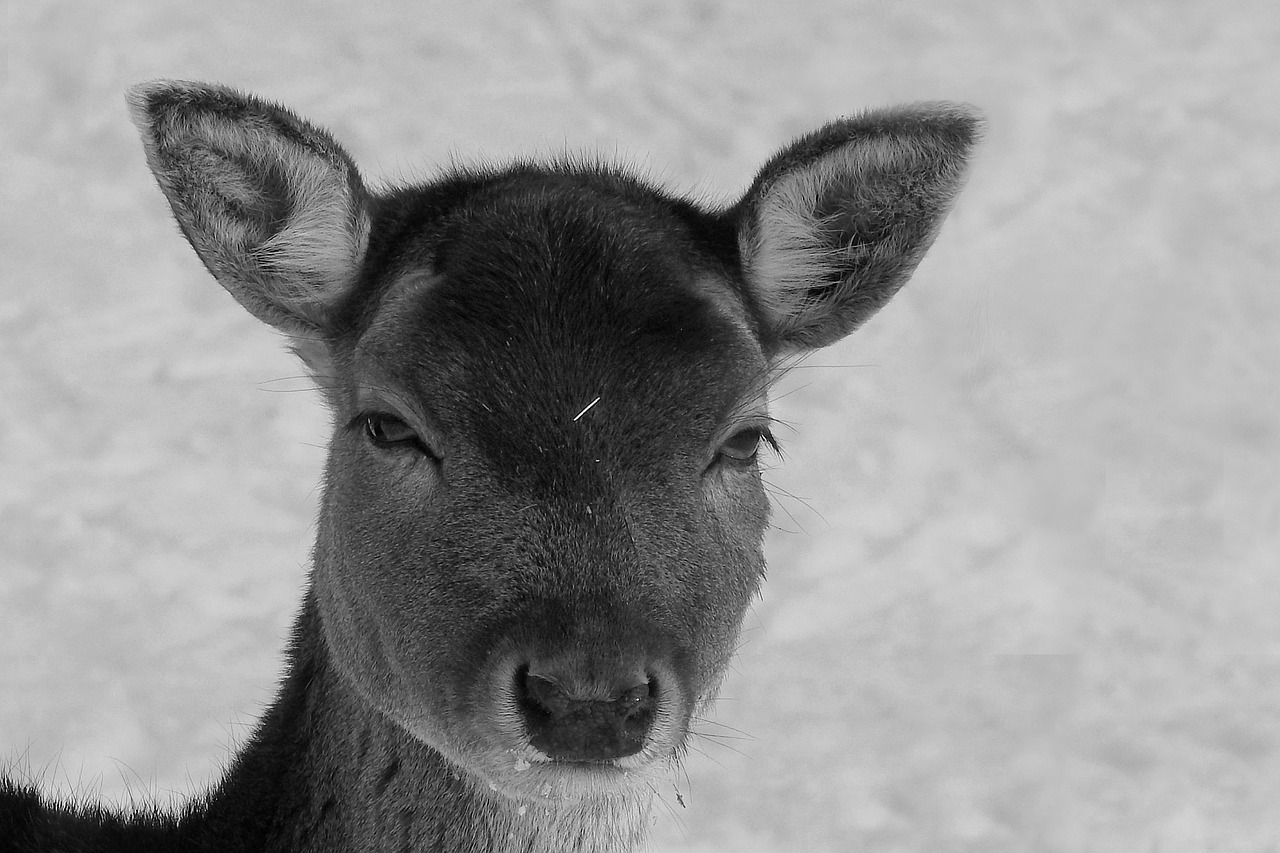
(1025,597)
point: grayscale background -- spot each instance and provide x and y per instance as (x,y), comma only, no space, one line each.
(1023,590)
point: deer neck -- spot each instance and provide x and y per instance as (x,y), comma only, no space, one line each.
(324,771)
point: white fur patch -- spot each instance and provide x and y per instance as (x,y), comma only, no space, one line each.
(325,234)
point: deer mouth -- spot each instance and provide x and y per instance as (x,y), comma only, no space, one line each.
(554,739)
(530,775)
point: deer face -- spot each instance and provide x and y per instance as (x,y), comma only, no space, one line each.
(543,509)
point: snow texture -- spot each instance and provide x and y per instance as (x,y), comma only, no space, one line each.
(1023,588)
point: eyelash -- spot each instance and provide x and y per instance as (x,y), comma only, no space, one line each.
(753,436)
(373,425)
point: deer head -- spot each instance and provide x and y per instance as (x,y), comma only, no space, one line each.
(542,515)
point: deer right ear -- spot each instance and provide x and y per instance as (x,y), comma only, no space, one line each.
(272,205)
(835,224)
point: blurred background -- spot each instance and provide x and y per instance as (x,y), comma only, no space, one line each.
(1023,587)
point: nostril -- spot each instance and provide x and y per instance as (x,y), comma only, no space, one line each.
(635,701)
(548,694)
(635,694)
(542,695)
(566,724)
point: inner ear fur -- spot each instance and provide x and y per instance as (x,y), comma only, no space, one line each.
(835,223)
(272,205)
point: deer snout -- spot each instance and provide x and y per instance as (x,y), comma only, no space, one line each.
(572,716)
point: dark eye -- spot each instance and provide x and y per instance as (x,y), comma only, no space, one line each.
(744,444)
(391,433)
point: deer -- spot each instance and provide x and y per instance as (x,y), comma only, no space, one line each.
(542,514)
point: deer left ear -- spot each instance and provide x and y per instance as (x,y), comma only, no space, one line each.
(272,204)
(836,223)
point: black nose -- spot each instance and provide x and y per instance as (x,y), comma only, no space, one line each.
(590,722)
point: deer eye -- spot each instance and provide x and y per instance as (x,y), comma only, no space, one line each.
(387,432)
(744,444)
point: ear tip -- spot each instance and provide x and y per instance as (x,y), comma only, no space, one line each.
(145,98)
(961,120)
(953,123)
(146,92)
(141,98)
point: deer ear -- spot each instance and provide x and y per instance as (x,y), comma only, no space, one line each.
(273,206)
(836,223)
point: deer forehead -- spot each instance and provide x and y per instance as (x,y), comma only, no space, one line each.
(569,318)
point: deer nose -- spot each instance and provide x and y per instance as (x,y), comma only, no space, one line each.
(571,719)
